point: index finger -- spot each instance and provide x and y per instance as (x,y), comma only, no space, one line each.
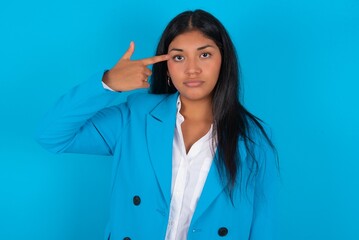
(155,59)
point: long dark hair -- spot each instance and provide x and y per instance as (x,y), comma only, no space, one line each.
(232,121)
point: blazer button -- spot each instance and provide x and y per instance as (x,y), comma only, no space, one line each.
(222,231)
(136,200)
(126,238)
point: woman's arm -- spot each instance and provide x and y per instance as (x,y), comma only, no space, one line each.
(82,121)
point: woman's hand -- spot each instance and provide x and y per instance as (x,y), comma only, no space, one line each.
(129,75)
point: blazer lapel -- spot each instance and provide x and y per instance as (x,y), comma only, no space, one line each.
(214,186)
(159,132)
(211,189)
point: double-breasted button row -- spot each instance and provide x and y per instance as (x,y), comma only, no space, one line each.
(136,200)
(222,231)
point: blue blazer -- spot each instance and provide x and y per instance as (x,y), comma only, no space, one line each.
(137,129)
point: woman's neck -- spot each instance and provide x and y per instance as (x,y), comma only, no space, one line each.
(199,110)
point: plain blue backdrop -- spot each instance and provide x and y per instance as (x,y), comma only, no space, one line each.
(300,62)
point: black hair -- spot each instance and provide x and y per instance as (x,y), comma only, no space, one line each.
(232,121)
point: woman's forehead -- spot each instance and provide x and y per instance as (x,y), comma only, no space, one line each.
(193,39)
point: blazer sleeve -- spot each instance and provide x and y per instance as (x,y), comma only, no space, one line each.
(85,120)
(265,208)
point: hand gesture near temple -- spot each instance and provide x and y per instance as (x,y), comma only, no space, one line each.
(130,74)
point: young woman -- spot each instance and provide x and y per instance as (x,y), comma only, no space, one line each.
(190,162)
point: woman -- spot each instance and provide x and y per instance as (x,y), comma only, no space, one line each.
(190,162)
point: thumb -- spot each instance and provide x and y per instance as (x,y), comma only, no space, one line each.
(129,51)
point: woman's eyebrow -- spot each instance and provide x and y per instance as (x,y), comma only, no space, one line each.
(200,48)
(206,46)
(176,49)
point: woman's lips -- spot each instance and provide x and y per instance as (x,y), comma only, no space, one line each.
(193,83)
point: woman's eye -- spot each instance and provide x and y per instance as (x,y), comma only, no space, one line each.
(205,55)
(178,58)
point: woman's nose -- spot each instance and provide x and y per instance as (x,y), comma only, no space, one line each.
(192,67)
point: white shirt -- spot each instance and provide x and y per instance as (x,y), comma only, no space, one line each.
(189,173)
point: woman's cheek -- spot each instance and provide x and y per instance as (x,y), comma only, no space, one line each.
(173,67)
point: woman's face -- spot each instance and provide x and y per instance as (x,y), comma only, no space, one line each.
(194,65)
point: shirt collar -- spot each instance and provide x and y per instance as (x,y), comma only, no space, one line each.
(179,116)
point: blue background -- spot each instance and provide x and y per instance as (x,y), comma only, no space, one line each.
(300,70)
